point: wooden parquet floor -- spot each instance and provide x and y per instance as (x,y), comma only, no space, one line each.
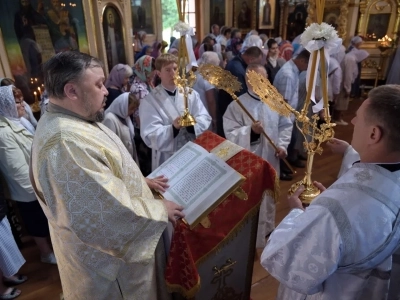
(44,282)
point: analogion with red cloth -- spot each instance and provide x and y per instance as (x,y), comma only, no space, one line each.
(190,247)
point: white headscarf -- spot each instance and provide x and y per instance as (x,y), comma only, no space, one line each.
(217,48)
(252,40)
(119,107)
(356,39)
(209,57)
(8,109)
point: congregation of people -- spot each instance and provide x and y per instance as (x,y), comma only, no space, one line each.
(78,176)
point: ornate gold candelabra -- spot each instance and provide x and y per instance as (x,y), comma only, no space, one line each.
(308,127)
(182,81)
(184,84)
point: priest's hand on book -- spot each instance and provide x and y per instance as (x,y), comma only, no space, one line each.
(174,211)
(158,183)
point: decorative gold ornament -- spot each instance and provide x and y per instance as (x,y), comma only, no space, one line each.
(224,80)
(308,127)
(269,94)
(184,83)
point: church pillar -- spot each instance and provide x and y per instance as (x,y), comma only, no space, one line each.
(283,18)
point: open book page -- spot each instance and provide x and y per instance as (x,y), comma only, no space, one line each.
(197,180)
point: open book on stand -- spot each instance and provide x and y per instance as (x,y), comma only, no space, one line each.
(199,181)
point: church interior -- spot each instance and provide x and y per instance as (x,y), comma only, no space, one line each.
(122,31)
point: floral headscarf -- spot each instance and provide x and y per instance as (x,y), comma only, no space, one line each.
(143,68)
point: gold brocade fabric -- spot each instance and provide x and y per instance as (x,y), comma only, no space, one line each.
(226,150)
(104,222)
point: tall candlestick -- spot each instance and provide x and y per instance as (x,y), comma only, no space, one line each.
(39,91)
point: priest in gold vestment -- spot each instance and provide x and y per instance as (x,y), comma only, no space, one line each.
(104,221)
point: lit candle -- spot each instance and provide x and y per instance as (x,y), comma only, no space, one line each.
(39,91)
(36,98)
(35,79)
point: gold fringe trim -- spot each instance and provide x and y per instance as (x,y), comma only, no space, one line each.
(235,229)
(176,288)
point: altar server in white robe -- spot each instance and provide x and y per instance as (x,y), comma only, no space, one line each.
(350,157)
(240,130)
(341,246)
(104,221)
(161,110)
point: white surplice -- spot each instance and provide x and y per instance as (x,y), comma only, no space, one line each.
(237,127)
(341,246)
(350,157)
(157,112)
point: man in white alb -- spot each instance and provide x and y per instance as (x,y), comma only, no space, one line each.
(341,246)
(161,110)
(240,130)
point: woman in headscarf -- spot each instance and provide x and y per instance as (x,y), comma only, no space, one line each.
(142,84)
(252,40)
(29,114)
(285,48)
(15,151)
(118,119)
(234,48)
(156,50)
(139,41)
(146,50)
(117,82)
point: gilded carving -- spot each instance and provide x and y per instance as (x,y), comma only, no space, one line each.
(332,5)
(369,64)
(310,12)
